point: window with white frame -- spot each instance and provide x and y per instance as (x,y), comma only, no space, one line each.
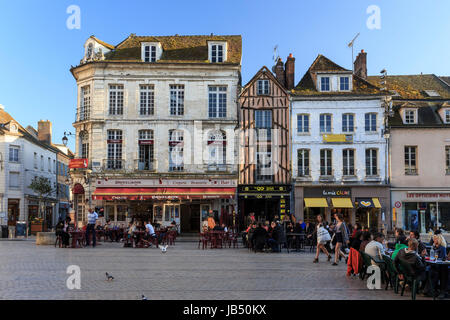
(14,179)
(264,170)
(326,168)
(325,123)
(263,87)
(217,52)
(146,152)
(176,156)
(371,162)
(217,102)
(303,123)
(348,122)
(325,84)
(217,148)
(370,122)
(114,142)
(116,99)
(85,102)
(303,162)
(447,159)
(14,153)
(344,83)
(149,53)
(176,100)
(410,116)
(447,116)
(348,159)
(147,99)
(263,124)
(410,160)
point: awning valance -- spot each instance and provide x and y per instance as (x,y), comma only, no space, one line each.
(342,202)
(162,193)
(316,203)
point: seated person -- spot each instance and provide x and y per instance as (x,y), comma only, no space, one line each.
(218,228)
(250,233)
(274,239)
(259,237)
(375,248)
(356,241)
(421,249)
(151,232)
(409,258)
(439,273)
(400,236)
(365,239)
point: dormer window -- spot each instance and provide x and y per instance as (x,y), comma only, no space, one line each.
(447,116)
(325,84)
(263,87)
(410,116)
(217,52)
(90,51)
(344,83)
(151,51)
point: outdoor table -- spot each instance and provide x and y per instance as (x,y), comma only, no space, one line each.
(140,237)
(216,239)
(77,236)
(298,237)
(442,267)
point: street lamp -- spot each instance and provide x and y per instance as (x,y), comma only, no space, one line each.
(65,139)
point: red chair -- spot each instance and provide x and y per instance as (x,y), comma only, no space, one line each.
(204,238)
(171,236)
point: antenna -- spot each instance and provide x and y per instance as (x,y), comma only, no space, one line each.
(350,45)
(275,54)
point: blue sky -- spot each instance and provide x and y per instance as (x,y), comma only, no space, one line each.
(37,48)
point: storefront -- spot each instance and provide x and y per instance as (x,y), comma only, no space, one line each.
(187,202)
(423,211)
(364,205)
(265,201)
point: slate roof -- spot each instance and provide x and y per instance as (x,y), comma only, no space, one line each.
(306,86)
(427,114)
(414,86)
(176,49)
(446,79)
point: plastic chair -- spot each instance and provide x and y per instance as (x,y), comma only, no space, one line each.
(409,278)
(392,274)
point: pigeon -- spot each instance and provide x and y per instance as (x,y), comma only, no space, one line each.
(164,248)
(144,297)
(109,277)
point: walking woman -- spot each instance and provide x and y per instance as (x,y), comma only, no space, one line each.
(322,238)
(341,238)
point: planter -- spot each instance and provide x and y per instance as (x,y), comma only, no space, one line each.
(36,227)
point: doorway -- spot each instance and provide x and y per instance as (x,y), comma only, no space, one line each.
(13,212)
(190,217)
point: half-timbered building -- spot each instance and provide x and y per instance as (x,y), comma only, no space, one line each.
(264,168)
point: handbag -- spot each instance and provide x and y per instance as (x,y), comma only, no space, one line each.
(323,235)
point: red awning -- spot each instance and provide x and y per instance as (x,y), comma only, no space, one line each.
(162,193)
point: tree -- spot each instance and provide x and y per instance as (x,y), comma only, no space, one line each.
(43,187)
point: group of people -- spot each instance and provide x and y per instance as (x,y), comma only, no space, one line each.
(144,230)
(209,224)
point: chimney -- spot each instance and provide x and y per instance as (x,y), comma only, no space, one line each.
(290,70)
(45,131)
(279,72)
(360,65)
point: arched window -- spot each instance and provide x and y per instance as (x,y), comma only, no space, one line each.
(176,161)
(217,148)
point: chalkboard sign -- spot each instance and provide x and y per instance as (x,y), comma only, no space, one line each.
(21,228)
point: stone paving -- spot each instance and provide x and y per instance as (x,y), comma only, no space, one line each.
(28,271)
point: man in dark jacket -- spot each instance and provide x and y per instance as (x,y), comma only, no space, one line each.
(275,237)
(259,237)
(411,261)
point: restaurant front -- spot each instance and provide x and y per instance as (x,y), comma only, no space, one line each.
(364,205)
(265,201)
(185,201)
(421,210)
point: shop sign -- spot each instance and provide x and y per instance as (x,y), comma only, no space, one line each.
(337,138)
(78,163)
(327,192)
(264,189)
(437,195)
(166,183)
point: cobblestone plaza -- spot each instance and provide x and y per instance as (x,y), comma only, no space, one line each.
(28,271)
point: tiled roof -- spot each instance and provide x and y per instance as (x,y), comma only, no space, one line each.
(446,80)
(306,86)
(427,115)
(268,73)
(177,49)
(107,45)
(414,86)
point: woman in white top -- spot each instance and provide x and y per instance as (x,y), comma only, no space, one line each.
(322,237)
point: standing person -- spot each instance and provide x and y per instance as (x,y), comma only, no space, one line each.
(251,218)
(211,222)
(90,228)
(322,238)
(341,238)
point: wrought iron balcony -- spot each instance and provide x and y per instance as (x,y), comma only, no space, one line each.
(145,165)
(83,115)
(113,164)
(411,171)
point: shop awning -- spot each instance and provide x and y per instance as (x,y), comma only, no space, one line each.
(316,203)
(368,202)
(342,202)
(162,193)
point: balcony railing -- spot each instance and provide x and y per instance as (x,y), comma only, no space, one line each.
(114,164)
(217,167)
(411,171)
(302,172)
(145,165)
(83,115)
